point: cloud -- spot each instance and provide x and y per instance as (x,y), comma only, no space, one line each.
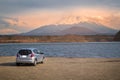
(18,6)
(99,16)
(12,23)
(3,24)
(8,31)
(112,21)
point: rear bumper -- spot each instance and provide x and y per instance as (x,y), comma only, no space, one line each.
(18,60)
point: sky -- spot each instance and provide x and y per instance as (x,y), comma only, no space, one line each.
(18,16)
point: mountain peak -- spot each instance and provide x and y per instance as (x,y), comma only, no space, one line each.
(82,28)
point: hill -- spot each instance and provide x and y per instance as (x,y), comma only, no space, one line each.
(117,37)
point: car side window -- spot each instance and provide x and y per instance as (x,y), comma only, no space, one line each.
(35,51)
(38,51)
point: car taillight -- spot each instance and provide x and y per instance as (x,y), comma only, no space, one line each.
(32,55)
(17,55)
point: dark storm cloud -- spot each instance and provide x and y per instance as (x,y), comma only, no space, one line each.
(14,6)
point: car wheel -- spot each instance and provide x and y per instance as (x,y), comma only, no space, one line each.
(41,62)
(18,64)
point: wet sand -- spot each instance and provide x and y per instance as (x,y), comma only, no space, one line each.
(57,68)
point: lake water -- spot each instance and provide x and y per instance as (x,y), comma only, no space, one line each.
(84,50)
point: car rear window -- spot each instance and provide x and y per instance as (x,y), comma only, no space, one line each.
(25,52)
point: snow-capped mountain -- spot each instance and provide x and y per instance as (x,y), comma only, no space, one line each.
(82,28)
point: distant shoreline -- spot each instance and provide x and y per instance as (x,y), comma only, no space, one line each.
(65,38)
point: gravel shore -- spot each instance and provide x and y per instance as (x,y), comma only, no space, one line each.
(59,68)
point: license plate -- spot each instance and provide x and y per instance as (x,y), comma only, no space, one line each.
(24,56)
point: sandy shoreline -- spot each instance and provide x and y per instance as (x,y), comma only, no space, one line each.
(58,68)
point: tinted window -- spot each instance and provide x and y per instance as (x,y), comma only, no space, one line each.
(36,51)
(25,52)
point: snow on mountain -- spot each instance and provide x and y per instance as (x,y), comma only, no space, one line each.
(82,28)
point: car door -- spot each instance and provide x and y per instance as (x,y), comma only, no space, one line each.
(37,54)
(41,56)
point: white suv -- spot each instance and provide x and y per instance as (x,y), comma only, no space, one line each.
(29,55)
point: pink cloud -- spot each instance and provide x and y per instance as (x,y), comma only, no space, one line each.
(8,31)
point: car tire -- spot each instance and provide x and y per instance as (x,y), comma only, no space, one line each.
(18,64)
(41,62)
